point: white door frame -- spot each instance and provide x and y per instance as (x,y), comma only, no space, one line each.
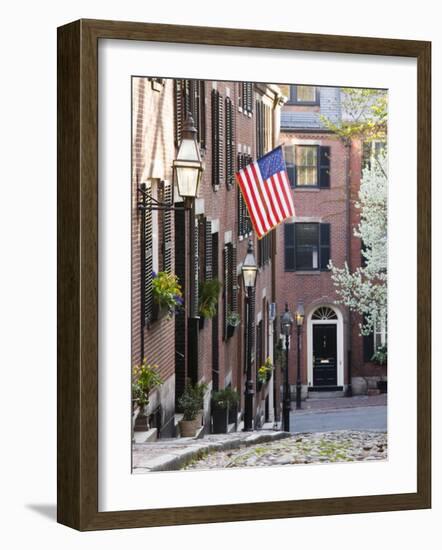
(339,322)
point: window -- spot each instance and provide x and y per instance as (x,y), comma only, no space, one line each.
(244,223)
(308,165)
(265,249)
(230,287)
(245,97)
(307,95)
(306,246)
(371,342)
(371,150)
(190,97)
(263,128)
(379,335)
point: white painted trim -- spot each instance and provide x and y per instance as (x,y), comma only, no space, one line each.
(215,226)
(339,344)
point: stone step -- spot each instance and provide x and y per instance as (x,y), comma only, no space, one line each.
(325,394)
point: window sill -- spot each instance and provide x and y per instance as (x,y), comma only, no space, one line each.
(308,272)
(306,188)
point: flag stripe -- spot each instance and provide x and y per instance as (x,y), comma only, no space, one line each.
(277,196)
(256,197)
(287,192)
(266,201)
(249,201)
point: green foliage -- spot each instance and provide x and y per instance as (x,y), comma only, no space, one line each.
(208,300)
(191,401)
(145,379)
(365,115)
(380,355)
(167,292)
(220,399)
(231,395)
(233,319)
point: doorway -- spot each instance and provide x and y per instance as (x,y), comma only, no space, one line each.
(325,355)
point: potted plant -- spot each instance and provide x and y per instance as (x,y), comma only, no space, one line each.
(145,378)
(265,371)
(200,390)
(167,294)
(233,320)
(220,405)
(190,403)
(233,400)
(208,298)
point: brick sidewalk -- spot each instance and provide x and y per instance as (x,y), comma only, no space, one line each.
(336,403)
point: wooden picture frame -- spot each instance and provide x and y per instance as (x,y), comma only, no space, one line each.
(78,274)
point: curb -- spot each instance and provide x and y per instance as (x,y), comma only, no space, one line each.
(177,459)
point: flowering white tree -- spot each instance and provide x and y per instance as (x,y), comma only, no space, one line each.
(365,289)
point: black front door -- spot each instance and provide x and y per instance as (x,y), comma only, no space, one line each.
(324,355)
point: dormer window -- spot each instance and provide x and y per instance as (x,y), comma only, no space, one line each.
(304,95)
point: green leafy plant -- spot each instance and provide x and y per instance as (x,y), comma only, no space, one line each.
(265,370)
(167,291)
(231,395)
(145,379)
(191,401)
(220,399)
(208,299)
(233,319)
(380,355)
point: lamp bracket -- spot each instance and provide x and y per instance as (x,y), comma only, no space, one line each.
(148,202)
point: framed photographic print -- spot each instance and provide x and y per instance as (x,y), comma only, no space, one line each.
(243,275)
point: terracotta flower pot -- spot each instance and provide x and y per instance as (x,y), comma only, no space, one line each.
(188,428)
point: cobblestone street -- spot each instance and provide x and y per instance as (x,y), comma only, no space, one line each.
(339,446)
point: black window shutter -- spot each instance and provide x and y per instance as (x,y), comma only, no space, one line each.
(225,288)
(208,250)
(230,145)
(324,245)
(234,277)
(202,99)
(147,255)
(291,172)
(289,246)
(221,139)
(324,167)
(179,109)
(215,137)
(167,228)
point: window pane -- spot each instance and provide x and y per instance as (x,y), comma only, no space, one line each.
(304,257)
(307,176)
(306,155)
(289,154)
(305,93)
(307,234)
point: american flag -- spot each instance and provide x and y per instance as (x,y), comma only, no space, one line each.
(265,187)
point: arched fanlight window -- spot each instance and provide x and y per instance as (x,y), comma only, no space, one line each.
(324,314)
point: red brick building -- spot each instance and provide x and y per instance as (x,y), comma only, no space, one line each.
(325,175)
(235,122)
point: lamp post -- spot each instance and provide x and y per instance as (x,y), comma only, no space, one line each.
(188,169)
(299,323)
(249,271)
(286,328)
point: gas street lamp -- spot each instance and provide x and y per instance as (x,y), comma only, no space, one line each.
(286,329)
(188,169)
(188,166)
(299,322)
(249,271)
